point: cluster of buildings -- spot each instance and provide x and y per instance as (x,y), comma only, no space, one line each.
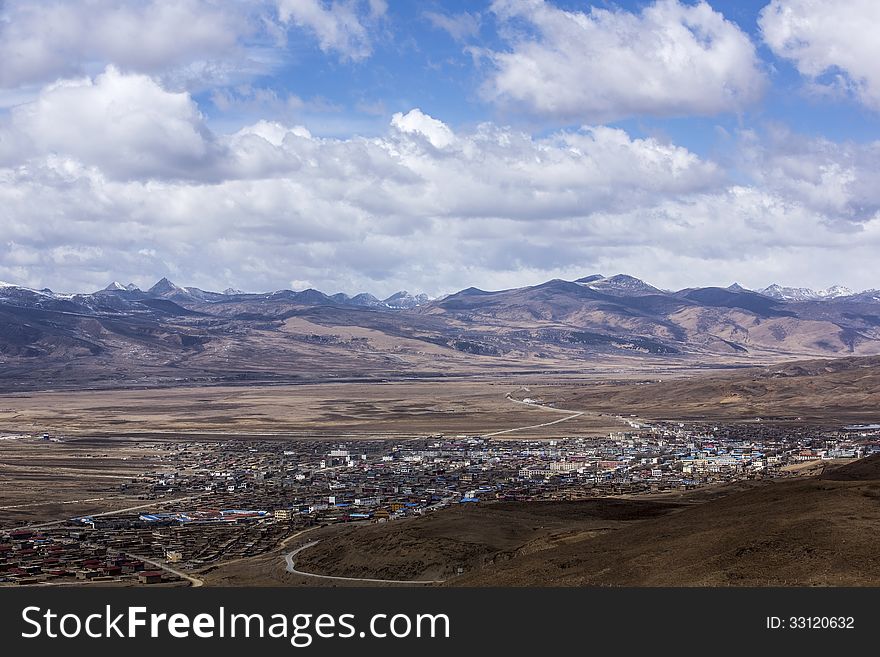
(213,501)
(37,556)
(664,456)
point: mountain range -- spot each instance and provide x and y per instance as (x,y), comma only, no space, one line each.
(165,289)
(122,335)
(619,284)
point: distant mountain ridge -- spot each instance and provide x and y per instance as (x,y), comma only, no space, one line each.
(174,333)
(618,285)
(804,293)
(166,289)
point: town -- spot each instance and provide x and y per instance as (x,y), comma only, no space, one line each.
(213,501)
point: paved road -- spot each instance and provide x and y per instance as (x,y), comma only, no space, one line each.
(291,568)
(573,415)
(222,564)
(195,581)
(288,557)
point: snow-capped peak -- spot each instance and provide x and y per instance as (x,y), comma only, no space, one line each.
(804,293)
(834,292)
(783,293)
(403,299)
(12,288)
(621,284)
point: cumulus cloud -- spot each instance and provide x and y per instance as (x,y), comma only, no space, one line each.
(41,40)
(837,40)
(670,59)
(499,172)
(116,177)
(113,172)
(839,180)
(117,171)
(189,43)
(415,122)
(127,125)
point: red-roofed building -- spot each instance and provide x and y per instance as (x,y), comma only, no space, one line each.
(150,577)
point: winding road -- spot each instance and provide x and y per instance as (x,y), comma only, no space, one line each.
(195,581)
(291,568)
(288,557)
(573,415)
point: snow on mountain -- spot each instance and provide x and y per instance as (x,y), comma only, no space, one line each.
(834,292)
(620,285)
(12,288)
(782,293)
(116,286)
(404,300)
(804,293)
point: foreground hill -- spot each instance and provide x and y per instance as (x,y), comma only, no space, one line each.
(804,531)
(811,531)
(168,334)
(468,537)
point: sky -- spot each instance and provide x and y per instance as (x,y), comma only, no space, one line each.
(381,145)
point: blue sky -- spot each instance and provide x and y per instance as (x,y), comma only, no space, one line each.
(377,145)
(413,64)
(416,64)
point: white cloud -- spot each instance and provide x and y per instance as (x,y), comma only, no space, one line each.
(41,40)
(840,181)
(118,178)
(416,122)
(273,132)
(118,172)
(670,59)
(126,125)
(190,44)
(361,233)
(460,27)
(341,26)
(834,38)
